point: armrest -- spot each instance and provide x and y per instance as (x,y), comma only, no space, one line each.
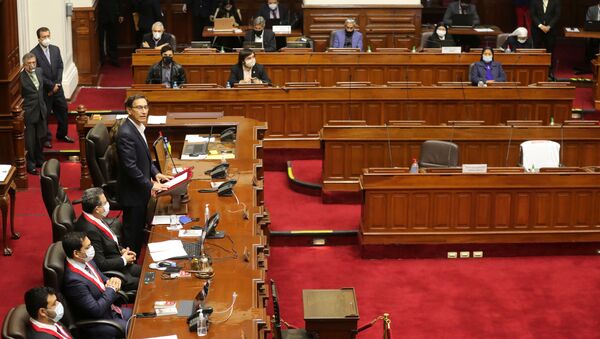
(76,201)
(91,323)
(114,274)
(123,298)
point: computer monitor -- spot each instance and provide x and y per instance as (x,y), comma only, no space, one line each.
(201,44)
(462,20)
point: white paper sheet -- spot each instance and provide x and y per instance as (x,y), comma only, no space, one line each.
(4,169)
(157,119)
(190,233)
(166,250)
(174,336)
(197,138)
(163,219)
(121,116)
(483,29)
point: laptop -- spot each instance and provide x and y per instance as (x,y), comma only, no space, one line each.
(201,44)
(462,20)
(592,26)
(224,24)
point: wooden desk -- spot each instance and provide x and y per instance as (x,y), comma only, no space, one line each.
(8,189)
(349,149)
(331,314)
(296,115)
(501,207)
(232,272)
(330,68)
(495,31)
(209,32)
(582,34)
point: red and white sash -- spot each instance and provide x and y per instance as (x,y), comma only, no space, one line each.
(57,331)
(102,227)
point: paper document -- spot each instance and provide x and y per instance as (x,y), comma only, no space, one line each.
(177,180)
(166,250)
(197,138)
(569,29)
(121,116)
(163,219)
(190,233)
(483,29)
(4,169)
(157,119)
(174,336)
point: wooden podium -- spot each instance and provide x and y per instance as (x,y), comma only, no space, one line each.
(331,314)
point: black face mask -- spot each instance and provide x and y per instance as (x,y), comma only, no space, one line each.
(258,33)
(349,34)
(167,60)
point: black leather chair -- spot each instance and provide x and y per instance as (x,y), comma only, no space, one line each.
(278,333)
(54,269)
(63,221)
(15,323)
(102,162)
(436,153)
(52,192)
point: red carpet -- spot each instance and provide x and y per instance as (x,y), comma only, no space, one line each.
(58,145)
(112,76)
(584,98)
(99,99)
(550,297)
(309,171)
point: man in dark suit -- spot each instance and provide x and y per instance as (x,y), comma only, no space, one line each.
(45,311)
(34,105)
(110,15)
(261,35)
(461,7)
(166,71)
(138,178)
(109,255)
(89,292)
(158,38)
(544,20)
(49,59)
(274,13)
(201,12)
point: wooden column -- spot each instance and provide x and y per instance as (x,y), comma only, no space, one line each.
(18,124)
(85,181)
(86,45)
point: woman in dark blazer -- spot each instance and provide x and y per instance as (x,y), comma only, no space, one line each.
(487,70)
(247,71)
(440,37)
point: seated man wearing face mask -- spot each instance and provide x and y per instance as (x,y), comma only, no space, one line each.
(261,35)
(45,312)
(347,37)
(518,40)
(109,256)
(89,292)
(439,38)
(166,71)
(158,38)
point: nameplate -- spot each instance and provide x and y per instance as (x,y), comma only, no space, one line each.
(451,50)
(282,29)
(474,168)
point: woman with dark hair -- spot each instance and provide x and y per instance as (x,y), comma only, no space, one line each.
(487,70)
(227,9)
(440,37)
(247,71)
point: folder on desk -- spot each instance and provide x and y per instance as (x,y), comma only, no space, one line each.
(179,183)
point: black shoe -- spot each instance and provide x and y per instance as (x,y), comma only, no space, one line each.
(47,144)
(33,171)
(66,138)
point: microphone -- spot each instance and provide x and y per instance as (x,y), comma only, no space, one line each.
(389,142)
(510,133)
(168,150)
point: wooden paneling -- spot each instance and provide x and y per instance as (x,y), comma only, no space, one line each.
(86,53)
(382,26)
(490,208)
(347,150)
(297,114)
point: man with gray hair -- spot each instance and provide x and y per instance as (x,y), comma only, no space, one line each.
(261,35)
(35,112)
(347,37)
(109,255)
(158,37)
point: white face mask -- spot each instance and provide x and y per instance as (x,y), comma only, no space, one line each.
(250,63)
(106,208)
(59,311)
(522,40)
(46,42)
(441,34)
(487,58)
(273,6)
(156,35)
(89,254)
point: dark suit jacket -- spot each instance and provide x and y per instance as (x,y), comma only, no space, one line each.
(33,334)
(201,8)
(155,74)
(165,38)
(478,72)
(237,74)
(268,39)
(108,252)
(149,12)
(34,104)
(550,18)
(52,71)
(453,9)
(592,13)
(110,10)
(135,167)
(515,44)
(284,14)
(86,299)
(434,41)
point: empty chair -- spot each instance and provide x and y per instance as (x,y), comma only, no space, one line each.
(540,153)
(424,37)
(15,323)
(52,192)
(437,153)
(501,39)
(102,162)
(63,221)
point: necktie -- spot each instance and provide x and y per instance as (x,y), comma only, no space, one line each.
(34,79)
(273,14)
(47,53)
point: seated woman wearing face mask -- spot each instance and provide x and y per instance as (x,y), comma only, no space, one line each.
(247,71)
(518,40)
(439,38)
(487,70)
(167,71)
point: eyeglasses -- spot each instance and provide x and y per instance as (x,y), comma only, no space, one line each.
(140,108)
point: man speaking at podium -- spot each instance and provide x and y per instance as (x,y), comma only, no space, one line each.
(138,178)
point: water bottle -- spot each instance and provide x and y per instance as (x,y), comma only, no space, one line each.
(414,49)
(480,84)
(227,85)
(202,325)
(507,50)
(222,49)
(414,168)
(206,213)
(369,49)
(175,85)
